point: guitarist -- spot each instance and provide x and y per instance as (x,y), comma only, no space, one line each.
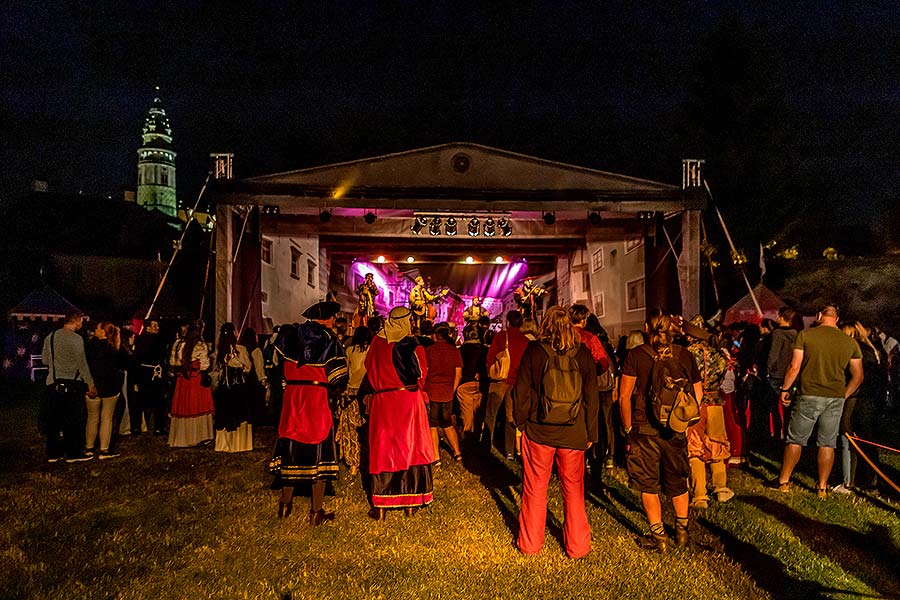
(420,298)
(365,307)
(526,295)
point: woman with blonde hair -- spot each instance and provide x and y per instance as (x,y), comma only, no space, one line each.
(107,364)
(657,456)
(556,403)
(860,412)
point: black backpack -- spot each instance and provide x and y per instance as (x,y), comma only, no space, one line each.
(670,395)
(561,384)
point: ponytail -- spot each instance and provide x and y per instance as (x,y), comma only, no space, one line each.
(659,329)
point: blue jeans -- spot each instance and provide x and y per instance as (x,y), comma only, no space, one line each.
(809,410)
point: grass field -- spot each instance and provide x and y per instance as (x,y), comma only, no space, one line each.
(161,523)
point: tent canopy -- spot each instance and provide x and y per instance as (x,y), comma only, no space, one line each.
(745,310)
(42,304)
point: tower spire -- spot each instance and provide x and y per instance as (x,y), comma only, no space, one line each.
(156,162)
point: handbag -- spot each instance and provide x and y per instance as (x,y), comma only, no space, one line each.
(499,371)
(234,376)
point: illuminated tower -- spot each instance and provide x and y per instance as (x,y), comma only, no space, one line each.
(156,163)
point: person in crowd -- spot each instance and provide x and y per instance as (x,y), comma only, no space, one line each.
(707,440)
(134,423)
(107,364)
(444,375)
(634,339)
(578,315)
(68,379)
(349,416)
(657,456)
(860,414)
(547,441)
(232,398)
(730,390)
(777,363)
(510,342)
(400,449)
(274,375)
(149,384)
(607,384)
(191,416)
(820,359)
(475,311)
(529,329)
(258,380)
(315,375)
(470,392)
(340,329)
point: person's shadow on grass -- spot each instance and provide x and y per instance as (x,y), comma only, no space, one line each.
(869,556)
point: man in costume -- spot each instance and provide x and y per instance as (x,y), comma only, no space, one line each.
(367,291)
(475,311)
(400,445)
(315,371)
(420,298)
(525,297)
(149,397)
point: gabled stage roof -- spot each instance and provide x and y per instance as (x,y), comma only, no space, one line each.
(475,177)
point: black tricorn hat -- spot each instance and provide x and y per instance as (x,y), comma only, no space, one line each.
(322,311)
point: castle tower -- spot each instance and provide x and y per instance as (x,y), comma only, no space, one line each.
(156,163)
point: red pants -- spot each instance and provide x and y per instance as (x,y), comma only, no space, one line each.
(735,425)
(537,462)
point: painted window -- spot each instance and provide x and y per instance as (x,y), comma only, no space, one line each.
(310,273)
(296,257)
(635,294)
(265,252)
(597,260)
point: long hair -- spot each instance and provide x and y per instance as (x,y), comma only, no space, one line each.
(556,329)
(858,332)
(191,338)
(113,337)
(442,331)
(659,329)
(362,337)
(249,340)
(227,343)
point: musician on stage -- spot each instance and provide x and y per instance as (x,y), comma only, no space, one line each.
(525,297)
(421,300)
(475,311)
(367,291)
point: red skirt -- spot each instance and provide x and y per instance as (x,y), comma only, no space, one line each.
(191,399)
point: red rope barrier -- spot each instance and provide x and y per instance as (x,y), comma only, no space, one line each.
(858,439)
(871,464)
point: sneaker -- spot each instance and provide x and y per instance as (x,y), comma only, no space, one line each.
(81,458)
(842,489)
(724,494)
(699,503)
(822,493)
(107,454)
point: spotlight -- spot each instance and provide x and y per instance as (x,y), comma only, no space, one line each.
(325,216)
(473,227)
(450,227)
(505,227)
(435,228)
(594,218)
(489,227)
(380,259)
(470,260)
(549,218)
(410,259)
(369,218)
(269,210)
(499,260)
(645,215)
(419,225)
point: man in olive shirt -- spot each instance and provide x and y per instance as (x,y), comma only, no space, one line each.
(821,357)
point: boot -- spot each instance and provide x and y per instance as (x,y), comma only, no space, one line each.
(410,511)
(284,509)
(681,532)
(317,517)
(377,514)
(658,542)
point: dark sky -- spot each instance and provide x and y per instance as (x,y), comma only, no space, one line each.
(286,85)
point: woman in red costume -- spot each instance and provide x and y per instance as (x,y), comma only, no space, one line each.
(192,403)
(400,449)
(314,369)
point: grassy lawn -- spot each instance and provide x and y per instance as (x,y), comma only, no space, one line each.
(161,523)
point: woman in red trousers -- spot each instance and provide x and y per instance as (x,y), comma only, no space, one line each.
(547,440)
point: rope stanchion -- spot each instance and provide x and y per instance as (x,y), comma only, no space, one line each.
(853,439)
(877,445)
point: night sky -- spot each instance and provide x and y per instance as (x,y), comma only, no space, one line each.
(628,89)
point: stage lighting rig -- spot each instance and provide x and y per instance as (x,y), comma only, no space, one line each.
(490,228)
(369,218)
(435,228)
(505,227)
(645,215)
(473,227)
(549,218)
(324,216)
(594,218)
(450,227)
(419,224)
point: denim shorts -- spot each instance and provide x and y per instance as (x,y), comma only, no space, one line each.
(808,410)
